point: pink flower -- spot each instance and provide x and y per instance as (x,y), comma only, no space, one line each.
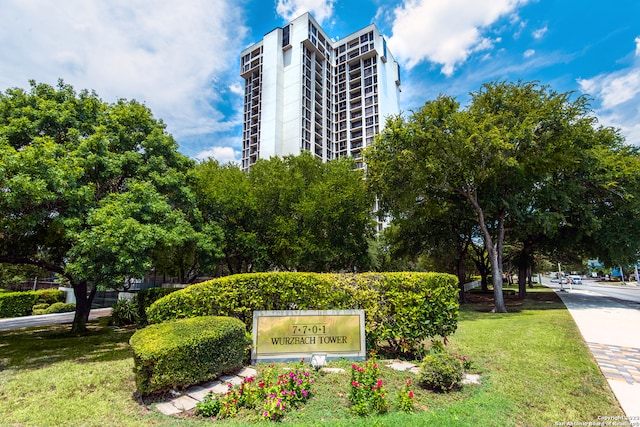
(355,384)
(410,394)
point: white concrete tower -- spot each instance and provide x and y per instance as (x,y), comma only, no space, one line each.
(304,91)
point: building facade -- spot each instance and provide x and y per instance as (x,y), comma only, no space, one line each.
(304,91)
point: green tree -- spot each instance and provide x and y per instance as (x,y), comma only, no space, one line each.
(446,237)
(225,197)
(512,143)
(312,216)
(93,192)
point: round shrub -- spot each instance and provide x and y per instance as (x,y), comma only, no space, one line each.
(184,352)
(50,296)
(441,372)
(60,307)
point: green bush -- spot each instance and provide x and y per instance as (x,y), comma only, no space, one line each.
(41,306)
(441,372)
(58,307)
(61,307)
(401,309)
(133,311)
(145,298)
(16,304)
(125,312)
(50,296)
(183,352)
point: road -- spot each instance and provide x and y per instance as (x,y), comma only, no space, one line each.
(629,293)
(48,319)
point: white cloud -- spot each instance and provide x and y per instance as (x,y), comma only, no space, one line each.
(529,53)
(618,95)
(445,32)
(539,33)
(167,54)
(221,154)
(321,10)
(237,88)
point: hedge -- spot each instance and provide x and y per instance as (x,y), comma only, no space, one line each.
(184,352)
(17,304)
(56,307)
(401,309)
(50,296)
(145,298)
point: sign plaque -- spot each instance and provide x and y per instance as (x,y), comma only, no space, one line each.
(290,335)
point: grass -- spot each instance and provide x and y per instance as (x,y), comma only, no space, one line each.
(536,371)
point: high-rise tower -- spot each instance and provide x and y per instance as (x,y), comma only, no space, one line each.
(304,91)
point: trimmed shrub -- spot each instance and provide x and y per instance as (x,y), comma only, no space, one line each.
(145,298)
(50,296)
(441,372)
(402,309)
(184,352)
(58,307)
(17,304)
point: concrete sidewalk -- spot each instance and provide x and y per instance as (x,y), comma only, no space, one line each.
(612,331)
(48,319)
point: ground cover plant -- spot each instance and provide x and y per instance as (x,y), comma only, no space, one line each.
(535,371)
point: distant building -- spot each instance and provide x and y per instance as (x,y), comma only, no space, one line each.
(304,91)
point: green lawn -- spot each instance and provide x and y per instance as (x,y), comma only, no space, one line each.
(536,371)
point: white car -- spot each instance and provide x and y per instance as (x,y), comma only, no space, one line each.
(576,280)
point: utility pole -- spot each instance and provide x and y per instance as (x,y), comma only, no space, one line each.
(560,278)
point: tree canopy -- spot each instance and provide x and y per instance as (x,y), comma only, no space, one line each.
(529,161)
(291,213)
(93,192)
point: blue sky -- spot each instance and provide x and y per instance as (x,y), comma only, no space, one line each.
(181,57)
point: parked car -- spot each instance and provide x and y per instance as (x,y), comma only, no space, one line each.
(575,279)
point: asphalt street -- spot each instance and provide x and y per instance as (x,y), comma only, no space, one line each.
(48,319)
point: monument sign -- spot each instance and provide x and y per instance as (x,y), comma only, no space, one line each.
(289,335)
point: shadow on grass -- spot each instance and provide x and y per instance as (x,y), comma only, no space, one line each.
(36,347)
(537,298)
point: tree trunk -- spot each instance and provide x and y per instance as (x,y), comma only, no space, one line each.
(523,268)
(84,299)
(496,273)
(495,252)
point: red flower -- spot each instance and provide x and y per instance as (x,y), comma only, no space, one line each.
(410,394)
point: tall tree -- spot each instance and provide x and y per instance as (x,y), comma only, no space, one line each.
(311,215)
(496,154)
(93,192)
(225,197)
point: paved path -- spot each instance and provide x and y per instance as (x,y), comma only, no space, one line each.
(48,319)
(611,328)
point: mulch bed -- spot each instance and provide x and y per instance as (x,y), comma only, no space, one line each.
(484,300)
